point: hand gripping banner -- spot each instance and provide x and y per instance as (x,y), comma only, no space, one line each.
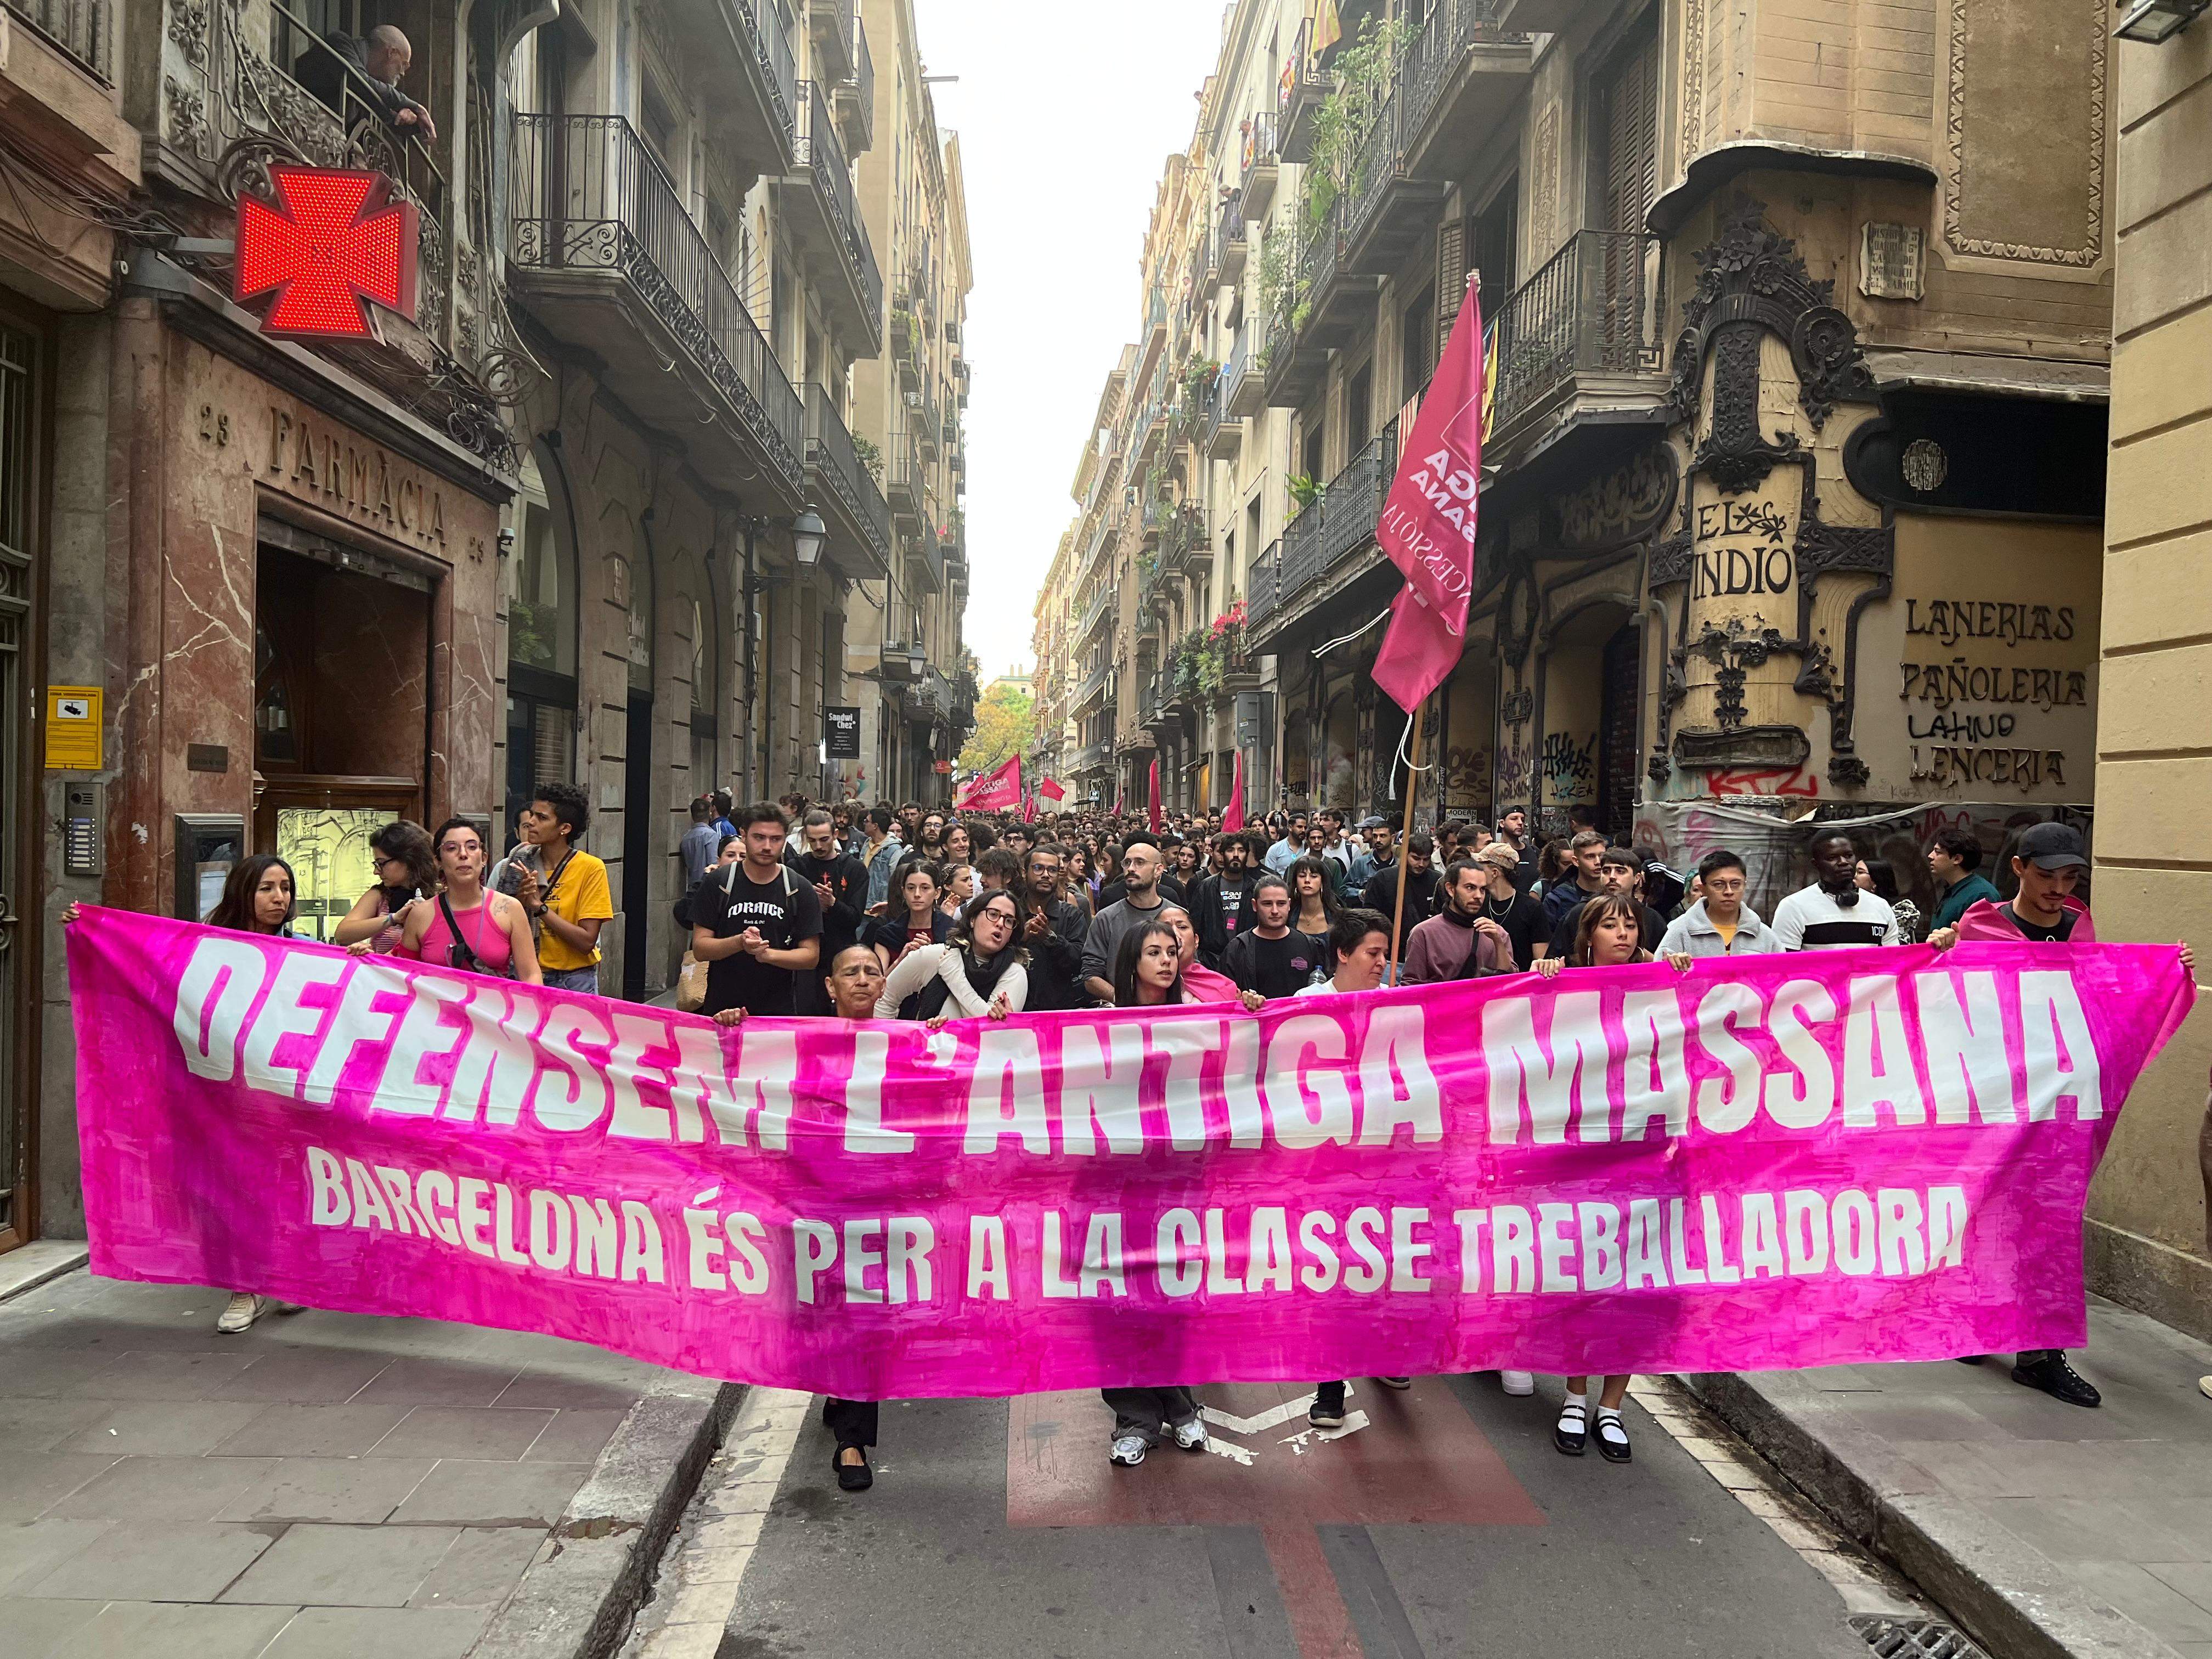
(1782,1161)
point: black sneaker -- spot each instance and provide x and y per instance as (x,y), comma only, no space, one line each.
(1326,1411)
(2059,1380)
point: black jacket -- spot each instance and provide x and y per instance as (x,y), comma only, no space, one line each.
(847,910)
(1381,896)
(1056,968)
(1213,930)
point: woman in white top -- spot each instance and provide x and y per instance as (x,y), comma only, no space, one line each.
(976,974)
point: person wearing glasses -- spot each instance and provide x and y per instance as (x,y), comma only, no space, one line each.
(981,971)
(406,876)
(466,927)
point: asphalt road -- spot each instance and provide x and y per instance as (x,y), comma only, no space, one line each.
(1447,1525)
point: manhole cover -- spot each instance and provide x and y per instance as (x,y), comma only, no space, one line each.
(1915,1638)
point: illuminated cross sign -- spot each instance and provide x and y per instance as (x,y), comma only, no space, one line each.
(332,241)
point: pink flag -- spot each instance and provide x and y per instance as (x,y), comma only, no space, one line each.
(997,789)
(1152,806)
(1052,790)
(1427,528)
(1232,816)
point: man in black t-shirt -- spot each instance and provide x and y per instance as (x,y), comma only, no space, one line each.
(1270,958)
(1521,916)
(1223,902)
(756,923)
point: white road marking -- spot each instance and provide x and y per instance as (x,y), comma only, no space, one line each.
(1301,1443)
(1221,1448)
(1260,1424)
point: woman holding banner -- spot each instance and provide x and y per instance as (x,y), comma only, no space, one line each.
(258,898)
(1607,934)
(468,928)
(1148,973)
(978,972)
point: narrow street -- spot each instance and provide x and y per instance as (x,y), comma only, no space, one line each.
(1440,1522)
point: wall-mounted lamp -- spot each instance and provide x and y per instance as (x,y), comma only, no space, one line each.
(505,542)
(2152,22)
(807,534)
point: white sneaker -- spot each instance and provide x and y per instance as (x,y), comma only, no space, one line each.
(1190,1436)
(1129,1451)
(244,1307)
(1517,1383)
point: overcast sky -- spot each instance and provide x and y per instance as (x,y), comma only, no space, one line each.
(1066,114)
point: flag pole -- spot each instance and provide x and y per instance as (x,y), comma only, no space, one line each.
(1412,772)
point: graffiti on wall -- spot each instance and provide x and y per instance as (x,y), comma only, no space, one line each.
(1570,768)
(1517,772)
(1772,781)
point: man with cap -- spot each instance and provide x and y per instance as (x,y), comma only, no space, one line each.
(1508,905)
(2048,860)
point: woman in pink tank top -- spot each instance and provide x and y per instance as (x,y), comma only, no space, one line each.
(488,932)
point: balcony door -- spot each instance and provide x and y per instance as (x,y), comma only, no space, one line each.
(1625,155)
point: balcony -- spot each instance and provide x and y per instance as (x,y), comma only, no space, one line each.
(1353,503)
(1306,86)
(858,518)
(925,561)
(1261,578)
(909,486)
(1184,537)
(1388,212)
(817,201)
(831,25)
(1260,166)
(1232,243)
(854,97)
(928,425)
(606,259)
(82,29)
(1459,82)
(1092,685)
(1098,609)
(1582,335)
(757,104)
(1156,313)
(906,348)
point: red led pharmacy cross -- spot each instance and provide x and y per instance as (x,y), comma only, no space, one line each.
(331,240)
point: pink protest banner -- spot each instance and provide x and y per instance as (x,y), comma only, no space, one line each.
(1781,1161)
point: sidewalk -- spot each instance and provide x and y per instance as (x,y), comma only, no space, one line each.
(2048,1529)
(324,1484)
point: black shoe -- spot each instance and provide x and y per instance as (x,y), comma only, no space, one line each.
(1326,1411)
(1401,1383)
(852,1477)
(2059,1380)
(1969,1358)
(1572,1433)
(1612,1451)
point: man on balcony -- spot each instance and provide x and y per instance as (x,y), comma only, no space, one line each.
(373,68)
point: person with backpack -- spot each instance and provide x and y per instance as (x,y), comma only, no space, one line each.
(755,924)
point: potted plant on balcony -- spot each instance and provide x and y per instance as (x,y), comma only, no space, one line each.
(1304,490)
(870,457)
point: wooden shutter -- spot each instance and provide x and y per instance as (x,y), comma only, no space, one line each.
(1451,271)
(1629,183)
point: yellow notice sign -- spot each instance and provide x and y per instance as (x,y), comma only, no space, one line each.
(74,727)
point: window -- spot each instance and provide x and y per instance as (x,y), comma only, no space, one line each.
(1417,352)
(657,123)
(1359,410)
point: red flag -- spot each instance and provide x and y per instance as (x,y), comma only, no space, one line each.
(1152,806)
(1427,528)
(1053,790)
(997,789)
(1232,816)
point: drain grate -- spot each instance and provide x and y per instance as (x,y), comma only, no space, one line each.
(1915,1638)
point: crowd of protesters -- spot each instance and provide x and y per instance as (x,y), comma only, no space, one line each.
(853,912)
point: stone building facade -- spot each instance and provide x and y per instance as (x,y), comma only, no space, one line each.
(265,595)
(2147,1232)
(1799,372)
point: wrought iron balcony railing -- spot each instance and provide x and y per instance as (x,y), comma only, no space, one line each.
(823,156)
(830,456)
(590,198)
(860,86)
(1261,578)
(1593,308)
(79,27)
(1433,57)
(771,33)
(1352,505)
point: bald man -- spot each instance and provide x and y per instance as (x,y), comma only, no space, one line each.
(372,68)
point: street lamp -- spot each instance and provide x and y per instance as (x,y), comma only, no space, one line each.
(2153,22)
(807,533)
